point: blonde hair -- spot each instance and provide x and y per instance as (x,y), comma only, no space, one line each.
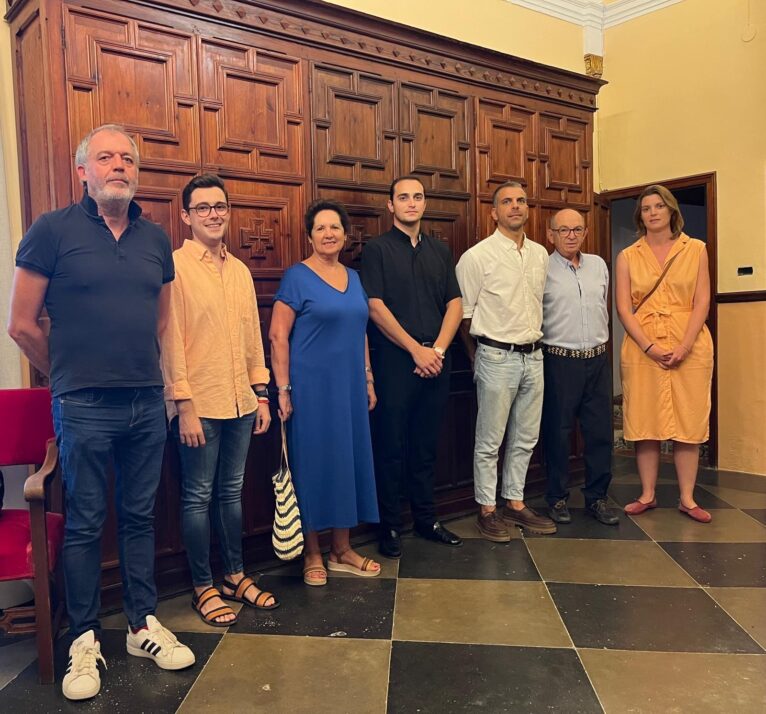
(676,219)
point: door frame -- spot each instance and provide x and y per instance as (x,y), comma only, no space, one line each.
(603,201)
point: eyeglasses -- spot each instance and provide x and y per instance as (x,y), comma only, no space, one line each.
(203,209)
(564,232)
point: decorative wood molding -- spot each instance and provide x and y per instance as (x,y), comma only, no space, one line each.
(319,24)
(745,296)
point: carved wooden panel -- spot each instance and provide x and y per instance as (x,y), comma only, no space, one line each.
(565,160)
(354,127)
(435,137)
(252,109)
(265,226)
(143,77)
(506,146)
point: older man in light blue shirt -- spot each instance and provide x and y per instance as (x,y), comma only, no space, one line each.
(578,384)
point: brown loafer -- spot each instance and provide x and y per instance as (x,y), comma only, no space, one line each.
(527,519)
(492,527)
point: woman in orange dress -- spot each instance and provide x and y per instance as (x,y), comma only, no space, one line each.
(667,354)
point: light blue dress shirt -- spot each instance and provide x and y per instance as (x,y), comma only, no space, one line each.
(574,302)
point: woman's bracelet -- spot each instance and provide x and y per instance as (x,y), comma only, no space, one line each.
(648,348)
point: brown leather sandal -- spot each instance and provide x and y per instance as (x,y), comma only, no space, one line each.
(209,617)
(239,594)
(365,571)
(315,582)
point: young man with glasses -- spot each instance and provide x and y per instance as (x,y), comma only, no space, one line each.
(216,396)
(502,279)
(578,380)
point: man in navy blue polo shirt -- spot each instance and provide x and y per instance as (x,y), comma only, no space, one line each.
(103,274)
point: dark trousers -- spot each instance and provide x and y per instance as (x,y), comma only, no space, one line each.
(577,389)
(405,433)
(96,428)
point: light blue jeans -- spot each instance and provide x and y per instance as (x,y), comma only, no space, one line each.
(509,388)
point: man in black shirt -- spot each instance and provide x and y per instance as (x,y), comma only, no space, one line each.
(103,274)
(415,309)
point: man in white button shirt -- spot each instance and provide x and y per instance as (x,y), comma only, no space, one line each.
(502,280)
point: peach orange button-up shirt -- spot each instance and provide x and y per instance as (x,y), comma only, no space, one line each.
(212,351)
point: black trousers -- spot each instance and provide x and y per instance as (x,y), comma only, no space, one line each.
(577,389)
(405,433)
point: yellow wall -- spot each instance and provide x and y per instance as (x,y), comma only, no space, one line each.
(742,387)
(687,95)
(495,24)
(8,135)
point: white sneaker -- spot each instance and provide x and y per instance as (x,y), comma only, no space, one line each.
(160,644)
(82,679)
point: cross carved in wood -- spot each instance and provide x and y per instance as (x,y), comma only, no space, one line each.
(258,237)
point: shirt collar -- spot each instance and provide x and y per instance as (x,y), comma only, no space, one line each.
(507,243)
(566,263)
(399,233)
(199,251)
(91,208)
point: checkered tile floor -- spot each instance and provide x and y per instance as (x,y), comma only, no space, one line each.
(659,614)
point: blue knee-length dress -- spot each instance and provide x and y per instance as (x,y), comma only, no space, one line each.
(328,435)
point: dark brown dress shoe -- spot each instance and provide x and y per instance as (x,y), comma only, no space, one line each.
(527,519)
(492,527)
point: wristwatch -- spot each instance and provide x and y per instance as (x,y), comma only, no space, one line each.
(439,351)
(263,393)
(285,388)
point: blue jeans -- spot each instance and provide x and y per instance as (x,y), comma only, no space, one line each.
(96,428)
(218,465)
(509,389)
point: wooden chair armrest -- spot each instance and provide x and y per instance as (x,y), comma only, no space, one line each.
(34,486)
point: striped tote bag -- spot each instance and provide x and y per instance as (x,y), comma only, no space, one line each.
(287,535)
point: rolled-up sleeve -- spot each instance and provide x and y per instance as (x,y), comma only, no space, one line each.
(469,278)
(173,347)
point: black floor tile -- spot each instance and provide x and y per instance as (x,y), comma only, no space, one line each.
(722,564)
(436,677)
(130,684)
(758,513)
(648,618)
(475,560)
(584,525)
(666,494)
(6,639)
(362,607)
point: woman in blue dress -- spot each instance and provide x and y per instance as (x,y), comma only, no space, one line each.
(321,365)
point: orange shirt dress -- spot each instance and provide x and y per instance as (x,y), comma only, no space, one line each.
(657,403)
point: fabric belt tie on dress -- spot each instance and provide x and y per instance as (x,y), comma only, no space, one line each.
(575,354)
(525,349)
(660,317)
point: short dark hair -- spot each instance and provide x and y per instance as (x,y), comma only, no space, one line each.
(507,184)
(202,181)
(324,204)
(407,177)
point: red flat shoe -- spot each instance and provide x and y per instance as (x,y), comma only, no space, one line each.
(698,514)
(636,508)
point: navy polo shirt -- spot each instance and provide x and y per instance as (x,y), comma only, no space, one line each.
(102,296)
(414,283)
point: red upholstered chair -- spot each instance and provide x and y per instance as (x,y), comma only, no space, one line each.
(30,540)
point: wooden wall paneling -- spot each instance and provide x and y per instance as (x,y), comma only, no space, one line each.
(127,72)
(252,106)
(506,146)
(565,160)
(354,126)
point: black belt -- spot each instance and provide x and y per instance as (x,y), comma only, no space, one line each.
(524,349)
